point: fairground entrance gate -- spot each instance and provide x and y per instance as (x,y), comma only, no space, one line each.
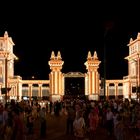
(55,87)
(57,78)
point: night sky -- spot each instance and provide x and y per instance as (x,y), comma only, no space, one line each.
(39,29)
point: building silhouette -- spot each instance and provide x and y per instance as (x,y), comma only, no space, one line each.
(54,88)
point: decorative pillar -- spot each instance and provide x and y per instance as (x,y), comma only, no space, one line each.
(86,85)
(107,91)
(17,91)
(63,85)
(55,76)
(130,91)
(92,77)
(30,92)
(40,91)
(116,90)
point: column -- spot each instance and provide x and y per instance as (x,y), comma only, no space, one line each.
(17,91)
(30,92)
(93,83)
(116,90)
(86,85)
(53,82)
(56,82)
(63,83)
(40,91)
(60,83)
(90,83)
(97,83)
(107,91)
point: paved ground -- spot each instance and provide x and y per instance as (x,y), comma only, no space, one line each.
(56,130)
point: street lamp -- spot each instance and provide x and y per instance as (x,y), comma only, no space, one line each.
(108,25)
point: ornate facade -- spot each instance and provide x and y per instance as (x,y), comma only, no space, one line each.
(54,88)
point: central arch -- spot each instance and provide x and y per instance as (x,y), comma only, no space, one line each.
(74,74)
(74,84)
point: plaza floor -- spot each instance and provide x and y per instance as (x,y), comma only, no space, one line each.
(56,130)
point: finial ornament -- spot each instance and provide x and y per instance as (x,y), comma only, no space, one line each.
(131,40)
(89,55)
(59,55)
(138,36)
(95,55)
(6,34)
(52,55)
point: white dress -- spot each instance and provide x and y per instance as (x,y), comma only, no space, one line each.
(79,125)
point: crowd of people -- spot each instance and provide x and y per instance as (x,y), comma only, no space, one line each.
(119,118)
(17,120)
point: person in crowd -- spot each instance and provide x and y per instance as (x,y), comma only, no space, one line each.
(109,121)
(93,123)
(1,115)
(115,120)
(8,132)
(18,126)
(30,123)
(42,116)
(57,108)
(137,128)
(70,118)
(5,114)
(119,129)
(79,126)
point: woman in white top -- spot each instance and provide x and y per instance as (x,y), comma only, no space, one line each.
(79,125)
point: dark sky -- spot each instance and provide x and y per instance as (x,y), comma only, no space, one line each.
(38,29)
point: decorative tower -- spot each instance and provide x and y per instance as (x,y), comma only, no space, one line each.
(132,87)
(56,76)
(6,60)
(92,76)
